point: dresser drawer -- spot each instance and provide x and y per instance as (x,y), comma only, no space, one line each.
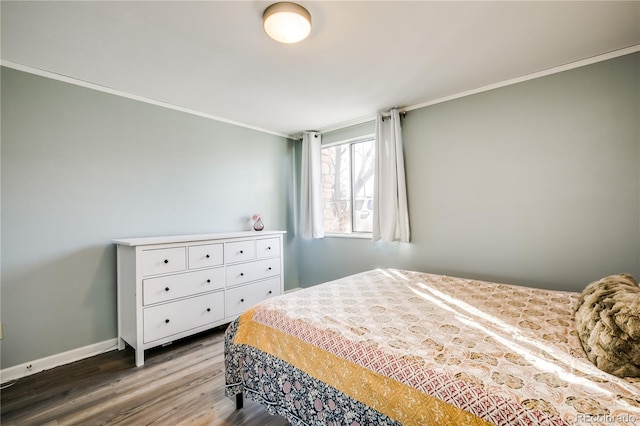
(239,251)
(252,271)
(162,261)
(206,256)
(163,289)
(176,317)
(239,299)
(269,247)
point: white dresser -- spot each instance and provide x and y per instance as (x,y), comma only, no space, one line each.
(171,287)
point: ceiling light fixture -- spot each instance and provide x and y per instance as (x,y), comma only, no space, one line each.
(287,22)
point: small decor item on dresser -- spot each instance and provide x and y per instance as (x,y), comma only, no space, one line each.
(257,222)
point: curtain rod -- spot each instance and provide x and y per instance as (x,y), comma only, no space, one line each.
(403,112)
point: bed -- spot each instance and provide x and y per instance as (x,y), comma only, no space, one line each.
(391,347)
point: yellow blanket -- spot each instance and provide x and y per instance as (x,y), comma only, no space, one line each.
(396,400)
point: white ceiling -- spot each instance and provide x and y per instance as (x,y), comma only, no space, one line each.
(213,57)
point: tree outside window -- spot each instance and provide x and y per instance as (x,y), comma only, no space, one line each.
(347,186)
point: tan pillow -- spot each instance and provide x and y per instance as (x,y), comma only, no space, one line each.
(607,317)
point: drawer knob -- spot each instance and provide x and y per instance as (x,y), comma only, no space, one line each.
(241,251)
(208,256)
(208,281)
(268,248)
(208,309)
(166,289)
(166,321)
(242,274)
(269,292)
(269,267)
(166,261)
(242,300)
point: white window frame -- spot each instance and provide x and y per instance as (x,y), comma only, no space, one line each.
(350,142)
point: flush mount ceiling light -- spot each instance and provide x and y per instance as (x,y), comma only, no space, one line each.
(287,22)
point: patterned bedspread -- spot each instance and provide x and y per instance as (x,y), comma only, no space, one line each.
(403,347)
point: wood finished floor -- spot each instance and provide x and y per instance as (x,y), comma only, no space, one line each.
(180,384)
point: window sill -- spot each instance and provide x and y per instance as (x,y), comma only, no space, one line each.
(357,236)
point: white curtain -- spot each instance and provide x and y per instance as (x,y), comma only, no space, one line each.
(311,187)
(390,211)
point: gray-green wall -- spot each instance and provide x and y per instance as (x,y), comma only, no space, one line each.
(537,184)
(80,167)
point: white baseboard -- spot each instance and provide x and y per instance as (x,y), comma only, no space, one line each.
(28,368)
(36,366)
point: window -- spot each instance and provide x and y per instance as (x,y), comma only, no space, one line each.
(347,186)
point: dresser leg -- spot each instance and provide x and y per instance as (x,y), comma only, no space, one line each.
(139,357)
(239,401)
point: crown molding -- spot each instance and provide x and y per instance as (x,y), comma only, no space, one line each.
(532,76)
(527,77)
(105,89)
(338,126)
